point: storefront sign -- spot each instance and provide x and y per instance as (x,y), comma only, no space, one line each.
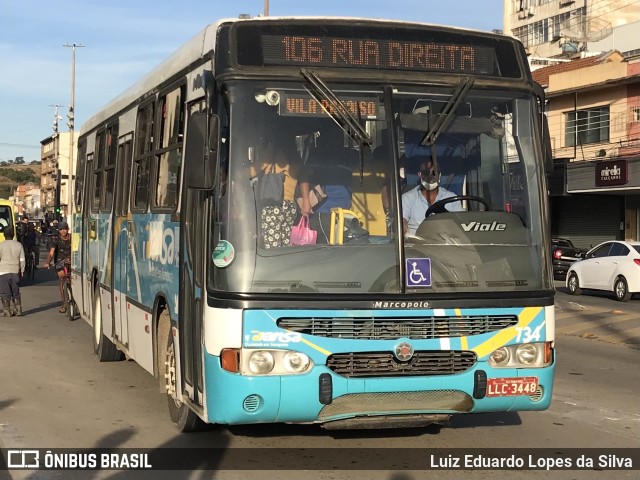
(611,173)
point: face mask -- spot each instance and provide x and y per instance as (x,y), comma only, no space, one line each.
(429,186)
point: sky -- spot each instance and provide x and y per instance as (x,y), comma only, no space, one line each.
(125,39)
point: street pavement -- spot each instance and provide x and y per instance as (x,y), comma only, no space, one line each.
(598,316)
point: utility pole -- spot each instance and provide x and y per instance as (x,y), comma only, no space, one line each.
(56,199)
(70,116)
(266,8)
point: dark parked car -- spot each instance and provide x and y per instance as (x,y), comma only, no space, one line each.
(564,253)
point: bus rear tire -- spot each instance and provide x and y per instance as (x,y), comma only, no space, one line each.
(181,415)
(104,348)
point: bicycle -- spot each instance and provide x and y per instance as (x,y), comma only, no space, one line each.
(72,306)
(30,265)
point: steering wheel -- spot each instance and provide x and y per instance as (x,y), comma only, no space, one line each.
(438,207)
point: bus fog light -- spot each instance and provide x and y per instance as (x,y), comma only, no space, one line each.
(499,357)
(526,354)
(261,362)
(295,362)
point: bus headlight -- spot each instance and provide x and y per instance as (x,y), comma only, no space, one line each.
(273,362)
(261,362)
(295,362)
(500,357)
(526,355)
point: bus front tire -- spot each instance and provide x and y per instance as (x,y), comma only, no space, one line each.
(181,415)
(104,348)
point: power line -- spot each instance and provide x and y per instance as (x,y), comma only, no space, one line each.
(18,145)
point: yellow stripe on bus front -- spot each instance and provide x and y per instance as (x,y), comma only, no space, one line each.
(316,347)
(464,341)
(525,317)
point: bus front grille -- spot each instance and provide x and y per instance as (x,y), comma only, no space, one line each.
(422,328)
(384,364)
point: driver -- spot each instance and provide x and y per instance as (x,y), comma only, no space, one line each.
(416,201)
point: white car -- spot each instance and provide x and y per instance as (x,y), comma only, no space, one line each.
(612,266)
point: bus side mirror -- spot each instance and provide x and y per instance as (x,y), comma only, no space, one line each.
(201,151)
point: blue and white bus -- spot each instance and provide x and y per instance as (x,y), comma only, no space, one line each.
(368,325)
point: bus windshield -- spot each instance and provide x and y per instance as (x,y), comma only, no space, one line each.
(375,229)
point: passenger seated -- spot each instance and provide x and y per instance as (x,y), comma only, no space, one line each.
(331,165)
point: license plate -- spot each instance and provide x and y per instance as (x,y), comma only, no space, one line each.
(511,387)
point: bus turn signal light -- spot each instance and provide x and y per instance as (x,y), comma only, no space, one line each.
(548,353)
(230,360)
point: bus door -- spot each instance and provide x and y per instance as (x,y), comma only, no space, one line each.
(193,208)
(122,239)
(88,233)
(191,304)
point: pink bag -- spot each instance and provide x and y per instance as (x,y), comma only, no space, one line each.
(302,234)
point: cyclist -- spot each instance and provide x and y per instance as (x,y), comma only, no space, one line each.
(21,228)
(30,244)
(62,245)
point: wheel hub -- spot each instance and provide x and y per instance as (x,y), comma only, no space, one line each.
(170,374)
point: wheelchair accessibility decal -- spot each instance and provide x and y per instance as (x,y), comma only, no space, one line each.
(418,272)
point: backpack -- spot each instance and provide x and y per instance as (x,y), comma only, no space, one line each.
(270,188)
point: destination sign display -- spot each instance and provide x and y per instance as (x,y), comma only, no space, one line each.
(376,54)
(375,46)
(302,105)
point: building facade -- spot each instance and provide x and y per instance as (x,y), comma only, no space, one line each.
(564,28)
(593,110)
(54,173)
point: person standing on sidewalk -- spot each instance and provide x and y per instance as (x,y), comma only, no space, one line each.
(12,262)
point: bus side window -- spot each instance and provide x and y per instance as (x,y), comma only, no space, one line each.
(142,180)
(142,158)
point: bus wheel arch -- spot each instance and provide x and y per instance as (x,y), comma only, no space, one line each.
(185,419)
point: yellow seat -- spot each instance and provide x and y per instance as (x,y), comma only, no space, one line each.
(336,235)
(367,202)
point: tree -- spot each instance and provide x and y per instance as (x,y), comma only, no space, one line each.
(19,161)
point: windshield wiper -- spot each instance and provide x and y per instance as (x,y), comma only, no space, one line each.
(336,108)
(445,117)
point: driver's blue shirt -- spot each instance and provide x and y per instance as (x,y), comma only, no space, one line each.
(414,206)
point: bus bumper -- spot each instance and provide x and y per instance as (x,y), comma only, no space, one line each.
(321,396)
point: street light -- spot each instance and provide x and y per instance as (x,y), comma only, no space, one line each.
(56,117)
(70,115)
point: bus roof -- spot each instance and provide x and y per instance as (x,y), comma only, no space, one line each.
(203,44)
